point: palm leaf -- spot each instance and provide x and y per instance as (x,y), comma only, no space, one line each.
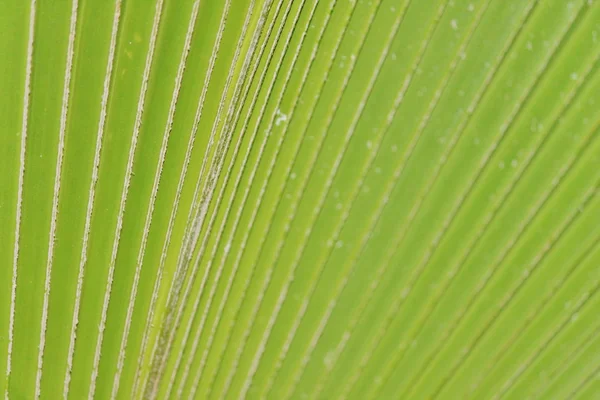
(299,199)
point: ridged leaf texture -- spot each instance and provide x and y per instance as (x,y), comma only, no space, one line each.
(299,199)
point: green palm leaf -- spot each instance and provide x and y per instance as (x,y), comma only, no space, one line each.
(368,199)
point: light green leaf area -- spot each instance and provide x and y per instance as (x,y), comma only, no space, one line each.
(300,199)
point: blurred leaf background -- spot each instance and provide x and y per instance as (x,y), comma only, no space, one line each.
(299,199)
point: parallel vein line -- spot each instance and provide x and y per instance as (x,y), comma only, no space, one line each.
(181,353)
(584,383)
(168,335)
(329,182)
(91,197)
(260,351)
(266,181)
(233,275)
(453,272)
(26,100)
(55,199)
(228,132)
(506,126)
(180,356)
(180,184)
(253,172)
(447,223)
(586,298)
(125,192)
(159,351)
(567,363)
(255,209)
(385,197)
(378,215)
(325,319)
(537,259)
(531,318)
(157,176)
(564,170)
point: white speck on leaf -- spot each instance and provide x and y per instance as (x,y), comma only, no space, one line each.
(574,317)
(280,117)
(328,360)
(405,292)
(529,46)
